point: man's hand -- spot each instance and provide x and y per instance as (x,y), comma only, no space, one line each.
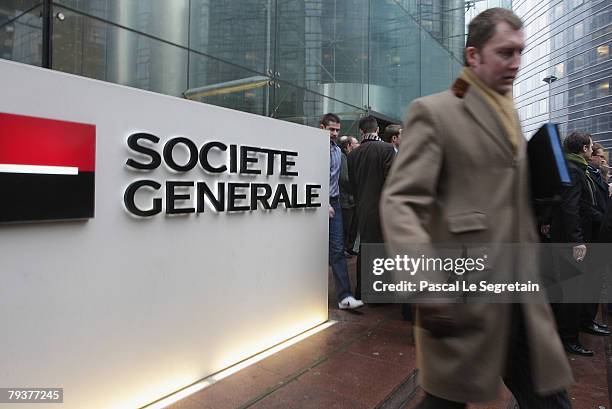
(332,212)
(579,252)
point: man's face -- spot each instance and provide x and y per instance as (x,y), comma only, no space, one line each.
(587,150)
(395,140)
(354,143)
(497,63)
(597,158)
(333,128)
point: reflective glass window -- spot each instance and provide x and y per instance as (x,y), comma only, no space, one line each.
(603,89)
(558,41)
(603,52)
(214,82)
(271,57)
(12,9)
(95,49)
(558,11)
(559,70)
(578,30)
(557,101)
(21,37)
(167,20)
(243,33)
(579,61)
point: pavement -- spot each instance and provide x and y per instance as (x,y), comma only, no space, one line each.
(367,361)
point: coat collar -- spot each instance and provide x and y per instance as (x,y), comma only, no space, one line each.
(597,177)
(483,114)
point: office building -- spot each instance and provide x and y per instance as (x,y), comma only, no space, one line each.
(567,69)
(287,59)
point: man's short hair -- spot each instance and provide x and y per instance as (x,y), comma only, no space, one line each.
(391,131)
(329,118)
(597,146)
(344,141)
(368,124)
(574,142)
(483,26)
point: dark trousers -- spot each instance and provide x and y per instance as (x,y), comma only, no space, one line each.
(360,263)
(517,377)
(349,220)
(588,314)
(568,321)
(358,275)
(365,238)
(594,285)
(570,313)
(571,317)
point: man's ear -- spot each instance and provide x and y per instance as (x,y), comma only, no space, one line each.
(321,126)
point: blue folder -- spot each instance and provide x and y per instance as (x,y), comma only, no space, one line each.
(547,164)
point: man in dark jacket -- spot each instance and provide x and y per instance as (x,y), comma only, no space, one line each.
(347,202)
(572,222)
(601,187)
(589,310)
(368,169)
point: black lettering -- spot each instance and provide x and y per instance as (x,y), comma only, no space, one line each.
(262,198)
(204,157)
(281,195)
(233,196)
(193,154)
(311,195)
(204,191)
(132,142)
(233,161)
(130,201)
(172,197)
(294,197)
(286,162)
(271,154)
(245,160)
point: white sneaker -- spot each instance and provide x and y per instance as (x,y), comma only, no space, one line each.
(350,303)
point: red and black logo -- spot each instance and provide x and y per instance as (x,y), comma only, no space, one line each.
(46,169)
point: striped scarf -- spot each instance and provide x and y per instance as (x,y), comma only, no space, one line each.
(371,137)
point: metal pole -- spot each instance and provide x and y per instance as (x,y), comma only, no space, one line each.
(47,34)
(549,103)
(269,71)
(549,80)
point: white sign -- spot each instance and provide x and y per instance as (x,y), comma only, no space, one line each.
(214,254)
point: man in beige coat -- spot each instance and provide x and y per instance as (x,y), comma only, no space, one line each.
(460,177)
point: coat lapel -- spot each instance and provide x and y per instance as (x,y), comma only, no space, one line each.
(487,119)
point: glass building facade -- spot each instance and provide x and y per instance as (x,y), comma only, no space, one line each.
(288,59)
(475,7)
(567,66)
